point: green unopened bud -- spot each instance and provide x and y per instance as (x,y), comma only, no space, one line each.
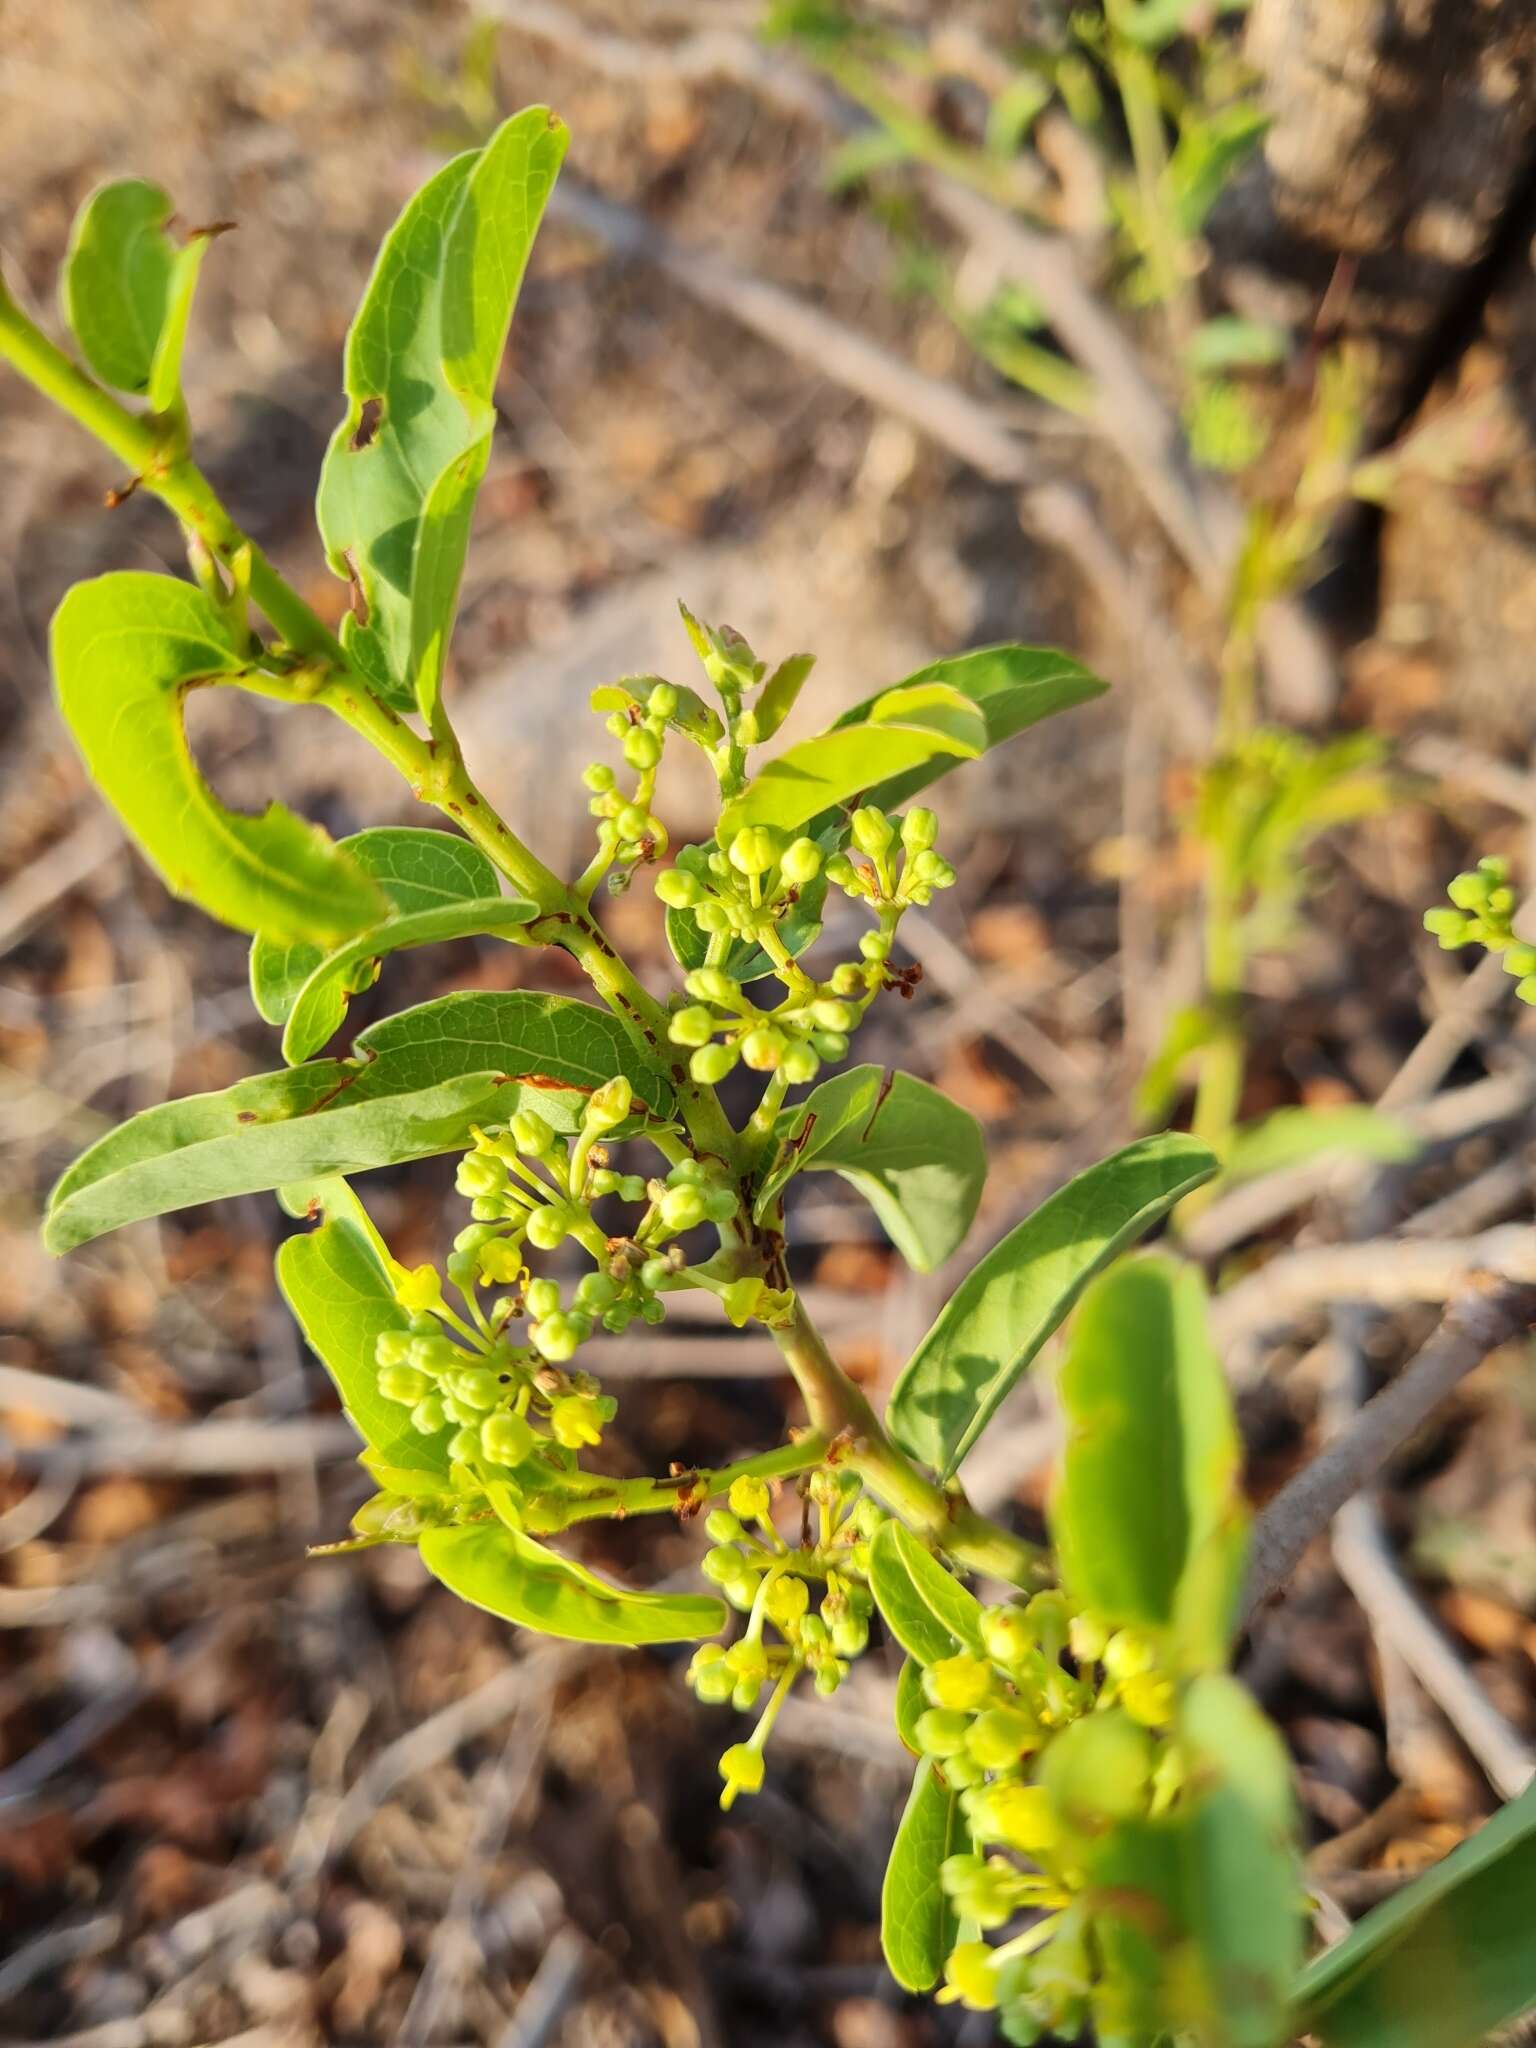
(464,1445)
(875,946)
(800,862)
(505,1439)
(1469,891)
(963,1683)
(712,918)
(681,1208)
(763,1048)
(556,1339)
(800,1063)
(1000,1736)
(642,749)
(548,1228)
(832,1045)
(655,1273)
(531,1135)
(1016,1815)
(940,1732)
(933,871)
(725,1565)
(919,829)
(435,1354)
(474,1386)
(710,985)
(596,1291)
(478,1175)
(847,979)
(428,1416)
(1526,990)
(662,702)
(405,1384)
(1520,960)
(1097,1771)
(711,1063)
(754,849)
(872,831)
(679,891)
(609,1105)
(500,1261)
(392,1347)
(543,1298)
(841,870)
(721,1526)
(598,777)
(833,1015)
(1451,927)
(693,1026)
(633,822)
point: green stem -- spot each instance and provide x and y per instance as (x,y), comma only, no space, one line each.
(944,1517)
(1136,77)
(618,1498)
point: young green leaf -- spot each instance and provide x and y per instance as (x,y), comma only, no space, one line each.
(917,1923)
(342,1300)
(509,1574)
(165,368)
(321,1004)
(1012,687)
(995,1322)
(116,283)
(777,697)
(416,869)
(917,1158)
(1290,1137)
(126,650)
(415,1085)
(398,487)
(904,729)
(1148,1514)
(925,1607)
(1243,1887)
(1444,1962)
(911,1702)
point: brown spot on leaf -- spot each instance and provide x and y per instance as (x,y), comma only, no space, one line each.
(369,420)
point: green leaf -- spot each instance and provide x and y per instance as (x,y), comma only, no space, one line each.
(126,649)
(1446,1960)
(416,869)
(777,697)
(1148,1515)
(321,1004)
(925,1608)
(509,1574)
(995,1322)
(911,1702)
(1289,1137)
(1207,155)
(917,1158)
(1199,1913)
(1242,1877)
(1228,343)
(165,368)
(398,486)
(415,1085)
(342,1299)
(115,284)
(917,1923)
(1012,687)
(904,729)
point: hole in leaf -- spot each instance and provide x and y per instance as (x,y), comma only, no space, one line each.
(368,422)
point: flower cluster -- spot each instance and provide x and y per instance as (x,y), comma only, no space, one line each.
(1484,904)
(771,1584)
(496,1374)
(1041,1755)
(753,894)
